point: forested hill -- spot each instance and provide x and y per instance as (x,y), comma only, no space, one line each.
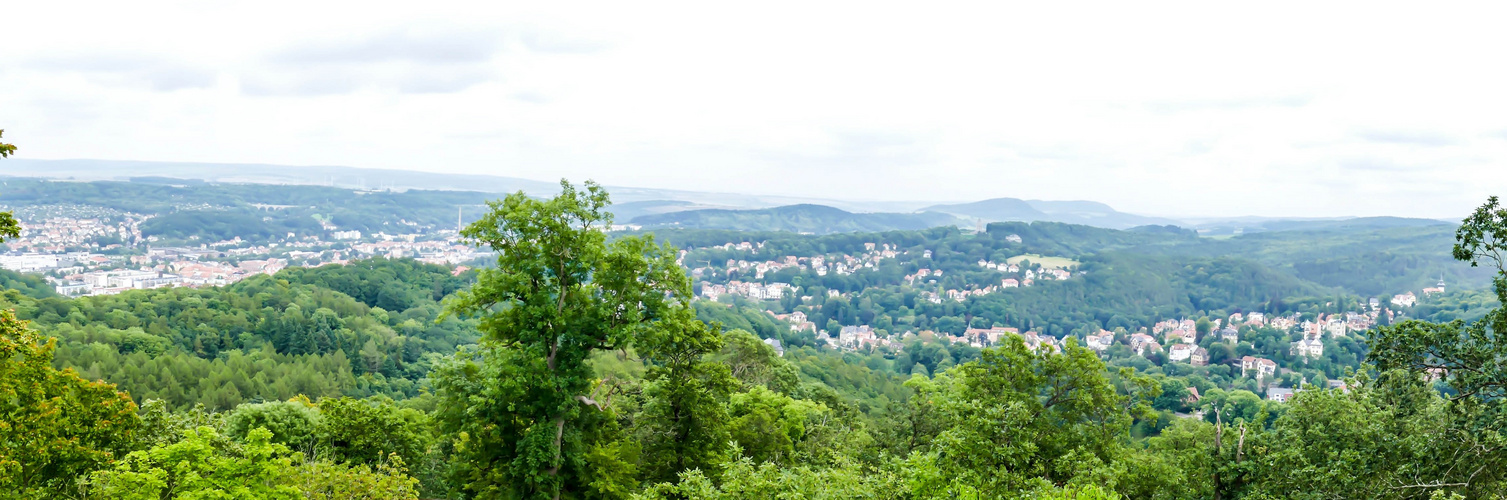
(1369,259)
(599,378)
(359,330)
(817,219)
(29,285)
(250,211)
(1361,259)
(1074,212)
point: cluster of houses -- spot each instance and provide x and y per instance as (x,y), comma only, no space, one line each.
(798,321)
(1030,275)
(842,264)
(962,295)
(1407,299)
(192,273)
(1177,338)
(755,291)
(856,337)
(79,273)
(983,337)
(56,235)
(445,251)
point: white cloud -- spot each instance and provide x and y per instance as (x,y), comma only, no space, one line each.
(1178,109)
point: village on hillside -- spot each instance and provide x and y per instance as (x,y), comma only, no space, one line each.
(1176,341)
(82,256)
(69,253)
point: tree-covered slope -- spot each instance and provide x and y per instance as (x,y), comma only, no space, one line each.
(1074,212)
(817,219)
(266,337)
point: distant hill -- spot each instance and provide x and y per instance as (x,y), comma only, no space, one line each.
(815,219)
(995,210)
(625,212)
(1088,213)
(1251,225)
(1359,223)
(184,173)
(1370,256)
(174,173)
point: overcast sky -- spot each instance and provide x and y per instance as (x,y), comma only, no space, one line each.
(1295,109)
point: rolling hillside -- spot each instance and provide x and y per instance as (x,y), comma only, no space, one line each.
(815,219)
(1075,212)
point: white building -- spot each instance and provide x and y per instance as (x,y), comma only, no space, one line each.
(1180,352)
(1260,367)
(1308,348)
(1099,342)
(29,262)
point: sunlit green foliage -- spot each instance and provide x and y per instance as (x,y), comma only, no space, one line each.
(596,379)
(54,425)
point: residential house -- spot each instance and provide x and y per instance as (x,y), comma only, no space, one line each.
(1036,342)
(775,343)
(1139,342)
(1308,348)
(1200,357)
(1336,327)
(1280,394)
(855,336)
(1099,341)
(1260,367)
(1180,352)
(1183,336)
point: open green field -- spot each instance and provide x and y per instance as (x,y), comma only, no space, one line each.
(1046,262)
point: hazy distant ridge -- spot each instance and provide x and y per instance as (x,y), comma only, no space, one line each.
(1088,213)
(816,219)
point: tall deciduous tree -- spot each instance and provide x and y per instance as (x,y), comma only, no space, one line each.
(1471,358)
(684,423)
(54,425)
(6,149)
(532,420)
(9,228)
(1015,420)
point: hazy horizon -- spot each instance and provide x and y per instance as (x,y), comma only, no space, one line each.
(1185,110)
(377,183)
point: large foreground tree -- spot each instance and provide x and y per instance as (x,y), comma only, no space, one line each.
(1469,363)
(9,228)
(530,417)
(54,425)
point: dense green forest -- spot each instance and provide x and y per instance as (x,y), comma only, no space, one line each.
(316,332)
(1356,259)
(221,211)
(817,219)
(577,366)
